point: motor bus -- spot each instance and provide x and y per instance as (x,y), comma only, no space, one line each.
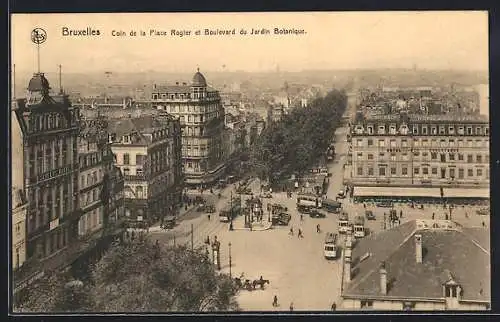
(309,200)
(343,224)
(330,247)
(359,227)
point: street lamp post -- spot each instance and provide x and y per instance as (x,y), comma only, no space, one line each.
(230,261)
(231,213)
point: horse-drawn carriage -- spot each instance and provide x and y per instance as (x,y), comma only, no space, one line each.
(245,284)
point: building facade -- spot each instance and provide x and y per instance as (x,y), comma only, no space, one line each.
(199,109)
(147,151)
(424,150)
(19,207)
(50,128)
(96,163)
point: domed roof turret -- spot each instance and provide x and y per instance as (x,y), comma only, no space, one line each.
(199,79)
(38,83)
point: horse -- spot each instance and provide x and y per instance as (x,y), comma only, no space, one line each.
(238,282)
(260,282)
(248,286)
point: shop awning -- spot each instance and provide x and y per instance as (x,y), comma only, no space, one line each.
(396,192)
(483,193)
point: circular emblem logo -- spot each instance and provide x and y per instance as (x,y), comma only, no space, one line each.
(38,36)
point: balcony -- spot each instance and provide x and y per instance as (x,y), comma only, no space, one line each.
(137,177)
(52,174)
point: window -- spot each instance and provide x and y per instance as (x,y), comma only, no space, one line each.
(360,155)
(425,142)
(479,158)
(381,155)
(415,129)
(370,142)
(469,130)
(425,171)
(392,129)
(381,171)
(404,171)
(139,159)
(393,156)
(479,172)
(460,130)
(441,130)
(370,156)
(478,131)
(404,129)
(126,171)
(469,158)
(460,157)
(393,171)
(360,171)
(381,129)
(381,143)
(434,170)
(370,171)
(370,129)
(366,304)
(452,173)
(486,131)
(126,159)
(443,143)
(460,173)
(416,170)
(404,143)
(451,130)
(139,191)
(393,143)
(451,156)
(470,172)
(443,157)
(433,130)
(405,157)
(359,142)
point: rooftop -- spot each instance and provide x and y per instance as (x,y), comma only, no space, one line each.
(462,252)
(135,127)
(377,116)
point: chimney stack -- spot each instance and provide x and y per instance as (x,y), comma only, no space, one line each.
(418,248)
(383,279)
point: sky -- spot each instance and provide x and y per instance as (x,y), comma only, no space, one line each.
(340,40)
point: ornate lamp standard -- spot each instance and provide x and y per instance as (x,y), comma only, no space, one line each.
(230,261)
(231,212)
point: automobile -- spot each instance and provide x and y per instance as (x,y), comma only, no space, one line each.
(385,204)
(316,214)
(281,219)
(341,194)
(370,215)
(276,208)
(169,222)
(483,211)
(266,195)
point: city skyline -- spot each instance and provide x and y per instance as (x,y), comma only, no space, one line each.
(355,40)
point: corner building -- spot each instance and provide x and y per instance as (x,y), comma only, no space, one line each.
(441,151)
(199,109)
(50,132)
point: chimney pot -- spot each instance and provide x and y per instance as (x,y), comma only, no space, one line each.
(418,248)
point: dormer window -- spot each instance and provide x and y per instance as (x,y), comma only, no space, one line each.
(478,130)
(381,129)
(461,130)
(415,129)
(392,129)
(155,96)
(370,129)
(469,130)
(433,130)
(403,130)
(359,129)
(441,130)
(424,130)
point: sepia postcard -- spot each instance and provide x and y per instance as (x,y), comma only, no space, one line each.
(286,162)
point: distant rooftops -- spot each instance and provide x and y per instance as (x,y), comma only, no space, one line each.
(370,116)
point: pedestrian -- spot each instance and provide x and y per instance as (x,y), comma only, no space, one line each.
(334,306)
(484,225)
(275,301)
(446,216)
(317,228)
(208,217)
(466,215)
(291,231)
(433,216)
(211,191)
(301,217)
(364,205)
(291,306)
(401,214)
(299,235)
